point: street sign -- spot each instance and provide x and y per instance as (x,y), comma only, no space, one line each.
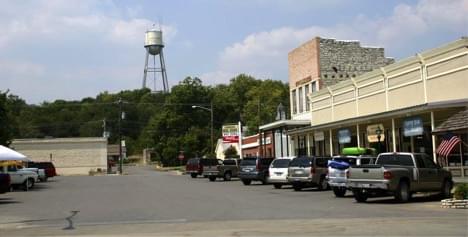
(181,156)
(344,136)
(319,136)
(413,127)
(230,133)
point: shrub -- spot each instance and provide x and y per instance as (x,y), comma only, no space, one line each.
(461,191)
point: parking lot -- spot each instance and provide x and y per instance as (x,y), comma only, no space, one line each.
(162,203)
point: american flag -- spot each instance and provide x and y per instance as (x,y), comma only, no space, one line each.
(448,143)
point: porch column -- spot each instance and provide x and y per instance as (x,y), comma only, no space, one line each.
(331,143)
(393,135)
(434,155)
(358,136)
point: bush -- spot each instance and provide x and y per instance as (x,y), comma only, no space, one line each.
(461,192)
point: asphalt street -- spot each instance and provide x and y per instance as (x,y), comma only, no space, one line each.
(162,203)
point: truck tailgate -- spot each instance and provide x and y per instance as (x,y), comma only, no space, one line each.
(366,172)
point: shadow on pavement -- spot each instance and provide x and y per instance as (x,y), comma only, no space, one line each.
(417,199)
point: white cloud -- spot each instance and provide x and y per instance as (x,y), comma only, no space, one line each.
(264,54)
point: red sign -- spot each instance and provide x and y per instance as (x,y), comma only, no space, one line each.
(181,157)
(230,139)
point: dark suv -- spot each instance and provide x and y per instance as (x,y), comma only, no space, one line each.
(255,168)
(308,172)
(48,167)
(195,166)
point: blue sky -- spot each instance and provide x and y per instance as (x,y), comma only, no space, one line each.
(64,49)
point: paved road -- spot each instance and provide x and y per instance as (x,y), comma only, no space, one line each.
(146,201)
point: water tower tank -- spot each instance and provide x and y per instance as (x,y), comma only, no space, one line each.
(153,41)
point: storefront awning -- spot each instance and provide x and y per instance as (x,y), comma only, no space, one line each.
(383,115)
(285,124)
(457,122)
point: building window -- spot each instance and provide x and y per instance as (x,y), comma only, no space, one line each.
(294,101)
(301,100)
(314,86)
(307,104)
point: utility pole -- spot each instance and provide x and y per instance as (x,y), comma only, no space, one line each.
(211,140)
(120,137)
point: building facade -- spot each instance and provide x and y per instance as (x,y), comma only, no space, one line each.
(71,156)
(394,108)
(253,146)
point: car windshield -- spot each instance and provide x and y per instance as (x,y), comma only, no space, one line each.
(300,162)
(248,162)
(280,163)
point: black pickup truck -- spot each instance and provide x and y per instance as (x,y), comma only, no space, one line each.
(5,183)
(228,169)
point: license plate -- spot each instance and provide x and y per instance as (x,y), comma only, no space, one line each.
(278,173)
(246,169)
(365,185)
(298,172)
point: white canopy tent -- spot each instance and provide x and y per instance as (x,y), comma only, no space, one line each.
(7,154)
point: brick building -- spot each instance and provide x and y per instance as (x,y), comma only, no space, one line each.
(252,146)
(71,156)
(313,66)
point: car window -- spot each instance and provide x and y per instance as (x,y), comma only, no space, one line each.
(321,162)
(387,160)
(428,162)
(366,161)
(248,162)
(209,162)
(12,168)
(229,162)
(300,162)
(405,160)
(419,161)
(280,163)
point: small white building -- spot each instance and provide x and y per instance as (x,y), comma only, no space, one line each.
(71,156)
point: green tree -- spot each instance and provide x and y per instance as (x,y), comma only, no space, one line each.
(231,152)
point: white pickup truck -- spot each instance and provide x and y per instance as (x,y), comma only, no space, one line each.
(25,179)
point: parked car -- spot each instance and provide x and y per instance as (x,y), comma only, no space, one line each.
(400,175)
(279,171)
(48,167)
(5,182)
(19,178)
(40,173)
(337,173)
(254,169)
(195,166)
(307,171)
(226,169)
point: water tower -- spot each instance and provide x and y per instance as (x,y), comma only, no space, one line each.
(154,46)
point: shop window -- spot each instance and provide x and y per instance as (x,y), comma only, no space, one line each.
(301,100)
(294,101)
(307,103)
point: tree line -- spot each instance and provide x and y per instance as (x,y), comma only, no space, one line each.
(165,122)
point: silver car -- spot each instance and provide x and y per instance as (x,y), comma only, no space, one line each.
(307,172)
(337,176)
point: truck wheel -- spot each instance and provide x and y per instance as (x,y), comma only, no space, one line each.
(446,188)
(323,184)
(246,181)
(31,183)
(212,178)
(402,193)
(339,192)
(277,186)
(227,176)
(360,195)
(297,187)
(193,175)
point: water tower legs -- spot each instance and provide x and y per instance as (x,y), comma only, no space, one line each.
(153,70)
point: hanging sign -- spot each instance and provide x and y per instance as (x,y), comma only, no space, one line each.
(230,133)
(344,136)
(375,133)
(319,136)
(413,127)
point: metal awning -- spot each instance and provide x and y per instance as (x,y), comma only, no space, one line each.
(456,122)
(384,115)
(285,124)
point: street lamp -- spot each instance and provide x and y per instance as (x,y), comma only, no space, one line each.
(211,112)
(379,131)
